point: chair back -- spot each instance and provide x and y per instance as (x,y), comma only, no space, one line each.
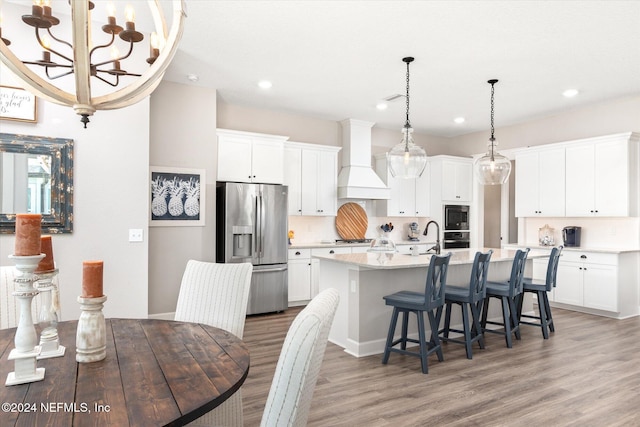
(517,272)
(479,272)
(552,268)
(215,294)
(436,281)
(299,363)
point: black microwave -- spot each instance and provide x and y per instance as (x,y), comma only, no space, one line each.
(456,217)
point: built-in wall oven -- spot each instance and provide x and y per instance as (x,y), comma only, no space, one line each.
(456,227)
(456,240)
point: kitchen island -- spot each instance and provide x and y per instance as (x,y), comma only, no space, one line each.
(362,319)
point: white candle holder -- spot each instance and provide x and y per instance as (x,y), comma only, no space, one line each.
(48,316)
(91,339)
(26,351)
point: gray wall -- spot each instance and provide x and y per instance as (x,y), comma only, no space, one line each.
(183,134)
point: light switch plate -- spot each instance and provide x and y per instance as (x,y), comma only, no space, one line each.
(135,235)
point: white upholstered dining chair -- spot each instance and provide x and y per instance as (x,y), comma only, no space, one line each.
(9,308)
(299,363)
(216,295)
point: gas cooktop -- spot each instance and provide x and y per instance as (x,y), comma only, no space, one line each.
(348,241)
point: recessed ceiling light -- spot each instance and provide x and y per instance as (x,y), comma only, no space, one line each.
(382,105)
(459,120)
(570,93)
(193,77)
(265,84)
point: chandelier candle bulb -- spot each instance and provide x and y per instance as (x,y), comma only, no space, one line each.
(47,263)
(36,10)
(27,234)
(92,279)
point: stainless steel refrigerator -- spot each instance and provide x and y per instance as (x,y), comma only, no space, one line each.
(251,226)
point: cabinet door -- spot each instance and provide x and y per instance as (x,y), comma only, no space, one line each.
(456,181)
(551,178)
(327,183)
(293,178)
(422,194)
(569,283)
(309,182)
(267,162)
(299,279)
(527,185)
(580,180)
(611,179)
(234,159)
(600,287)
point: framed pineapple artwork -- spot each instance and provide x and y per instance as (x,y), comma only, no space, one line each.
(177,196)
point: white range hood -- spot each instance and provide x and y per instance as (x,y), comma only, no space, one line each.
(357,180)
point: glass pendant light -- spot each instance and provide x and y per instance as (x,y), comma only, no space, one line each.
(492,168)
(407,160)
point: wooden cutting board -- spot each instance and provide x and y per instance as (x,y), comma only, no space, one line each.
(351,221)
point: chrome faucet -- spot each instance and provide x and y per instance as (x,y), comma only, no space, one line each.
(426,230)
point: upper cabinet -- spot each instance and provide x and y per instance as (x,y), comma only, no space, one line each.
(250,157)
(602,177)
(311,173)
(540,183)
(589,177)
(409,197)
(451,179)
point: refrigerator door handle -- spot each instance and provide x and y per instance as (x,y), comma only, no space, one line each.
(269,270)
(260,222)
(256,232)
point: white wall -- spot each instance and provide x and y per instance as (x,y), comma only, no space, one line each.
(183,134)
(110,196)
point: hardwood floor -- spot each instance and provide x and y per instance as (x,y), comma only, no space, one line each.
(587,373)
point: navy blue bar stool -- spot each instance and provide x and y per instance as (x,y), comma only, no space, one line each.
(431,302)
(541,289)
(469,298)
(508,292)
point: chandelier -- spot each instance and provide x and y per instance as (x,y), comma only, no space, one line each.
(493,168)
(85,56)
(407,160)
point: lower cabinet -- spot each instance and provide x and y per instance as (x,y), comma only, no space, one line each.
(588,280)
(304,272)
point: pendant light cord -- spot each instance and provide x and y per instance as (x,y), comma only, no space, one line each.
(408,123)
(492,139)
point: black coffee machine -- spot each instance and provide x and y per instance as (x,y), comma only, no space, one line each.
(571,236)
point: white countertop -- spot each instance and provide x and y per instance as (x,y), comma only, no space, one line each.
(580,249)
(391,261)
(306,245)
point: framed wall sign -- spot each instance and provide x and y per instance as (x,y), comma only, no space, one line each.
(18,104)
(177,196)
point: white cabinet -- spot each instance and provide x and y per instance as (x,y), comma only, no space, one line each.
(457,179)
(601,177)
(299,275)
(250,157)
(293,178)
(540,183)
(451,180)
(409,197)
(588,280)
(311,170)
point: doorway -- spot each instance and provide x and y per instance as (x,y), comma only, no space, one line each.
(500,223)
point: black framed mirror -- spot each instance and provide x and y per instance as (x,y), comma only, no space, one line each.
(36,176)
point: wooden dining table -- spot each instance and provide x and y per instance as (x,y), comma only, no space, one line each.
(156,373)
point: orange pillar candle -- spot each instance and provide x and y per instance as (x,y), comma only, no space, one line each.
(46,264)
(27,234)
(92,279)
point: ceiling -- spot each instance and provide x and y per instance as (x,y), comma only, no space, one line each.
(337,59)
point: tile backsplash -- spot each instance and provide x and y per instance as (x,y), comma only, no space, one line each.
(611,233)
